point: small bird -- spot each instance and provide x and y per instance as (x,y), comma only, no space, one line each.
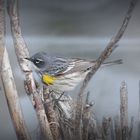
(63,74)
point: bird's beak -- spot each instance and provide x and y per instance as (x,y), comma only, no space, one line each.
(28,59)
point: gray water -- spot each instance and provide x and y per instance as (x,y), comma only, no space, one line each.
(82,29)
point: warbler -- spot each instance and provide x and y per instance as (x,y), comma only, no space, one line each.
(61,73)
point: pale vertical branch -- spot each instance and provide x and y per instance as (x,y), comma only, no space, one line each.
(104,55)
(8,85)
(22,52)
(13,100)
(124,111)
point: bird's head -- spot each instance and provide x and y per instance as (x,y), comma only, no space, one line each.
(38,59)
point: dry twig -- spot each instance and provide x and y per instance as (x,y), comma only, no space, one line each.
(22,52)
(104,55)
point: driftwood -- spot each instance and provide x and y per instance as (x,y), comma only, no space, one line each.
(104,55)
(7,84)
(22,52)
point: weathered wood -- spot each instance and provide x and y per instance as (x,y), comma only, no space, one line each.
(22,52)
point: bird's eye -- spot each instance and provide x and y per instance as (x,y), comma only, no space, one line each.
(37,61)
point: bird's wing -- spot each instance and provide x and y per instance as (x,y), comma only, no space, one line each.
(62,66)
(78,65)
(56,66)
(59,66)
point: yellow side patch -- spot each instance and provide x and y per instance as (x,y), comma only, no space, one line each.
(47,79)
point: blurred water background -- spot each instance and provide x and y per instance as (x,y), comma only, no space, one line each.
(78,28)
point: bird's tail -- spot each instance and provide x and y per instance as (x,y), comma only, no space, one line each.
(119,61)
(109,63)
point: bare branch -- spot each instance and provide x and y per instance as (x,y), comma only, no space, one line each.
(7,84)
(110,47)
(104,55)
(22,52)
(13,100)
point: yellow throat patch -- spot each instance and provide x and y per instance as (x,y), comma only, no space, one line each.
(47,79)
